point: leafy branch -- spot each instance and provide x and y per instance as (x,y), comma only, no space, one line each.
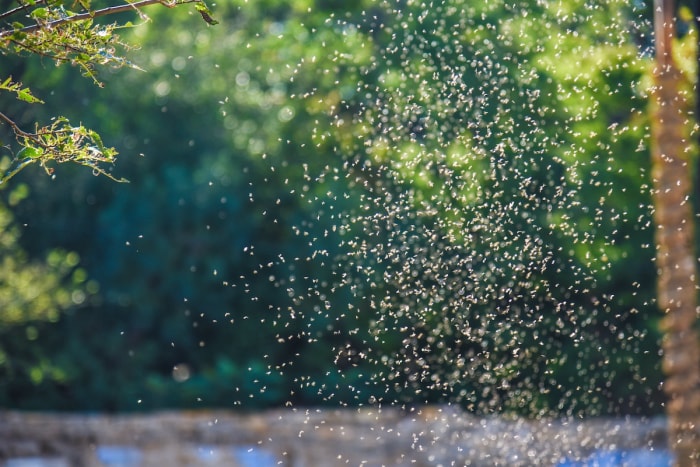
(68,17)
(23,94)
(58,143)
(67,37)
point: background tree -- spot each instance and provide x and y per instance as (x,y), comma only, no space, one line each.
(675,252)
(303,160)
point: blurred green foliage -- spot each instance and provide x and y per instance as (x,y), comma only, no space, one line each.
(35,290)
(237,136)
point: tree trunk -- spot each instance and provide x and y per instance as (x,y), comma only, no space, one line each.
(675,256)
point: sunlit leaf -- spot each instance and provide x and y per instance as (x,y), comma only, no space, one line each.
(26,96)
(39,13)
(85,4)
(205,12)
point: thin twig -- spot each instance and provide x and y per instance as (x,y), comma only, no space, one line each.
(95,14)
(22,6)
(35,137)
(17,130)
(12,172)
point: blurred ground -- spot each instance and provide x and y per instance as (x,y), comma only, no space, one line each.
(426,436)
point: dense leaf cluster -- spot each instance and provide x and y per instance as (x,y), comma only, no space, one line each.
(50,30)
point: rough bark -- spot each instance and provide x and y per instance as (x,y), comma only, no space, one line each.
(675,253)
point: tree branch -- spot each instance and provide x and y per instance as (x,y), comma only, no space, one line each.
(15,129)
(95,14)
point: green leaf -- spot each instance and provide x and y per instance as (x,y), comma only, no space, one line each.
(40,13)
(26,96)
(19,36)
(29,152)
(97,139)
(205,12)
